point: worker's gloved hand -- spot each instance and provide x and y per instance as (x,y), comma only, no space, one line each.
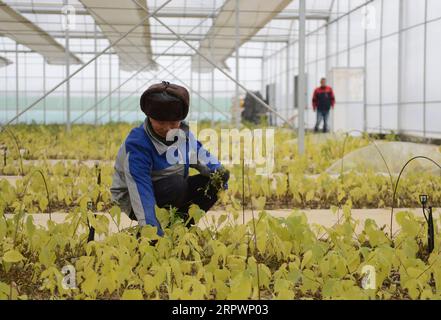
(219,178)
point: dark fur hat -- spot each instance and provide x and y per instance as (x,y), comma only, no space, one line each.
(165,102)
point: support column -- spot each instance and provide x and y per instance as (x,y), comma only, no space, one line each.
(365,122)
(212,81)
(199,90)
(425,71)
(262,74)
(44,90)
(6,93)
(237,100)
(317,77)
(337,38)
(327,46)
(302,100)
(25,91)
(68,125)
(348,58)
(400,64)
(110,87)
(212,97)
(380,82)
(191,92)
(119,94)
(16,83)
(349,40)
(288,56)
(212,89)
(95,44)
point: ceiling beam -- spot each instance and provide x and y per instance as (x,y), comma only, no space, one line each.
(168,37)
(183,13)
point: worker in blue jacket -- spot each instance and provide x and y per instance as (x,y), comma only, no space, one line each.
(153,163)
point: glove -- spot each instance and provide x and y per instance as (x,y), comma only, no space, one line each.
(224,175)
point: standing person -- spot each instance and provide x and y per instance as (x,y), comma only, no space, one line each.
(322,101)
(153,163)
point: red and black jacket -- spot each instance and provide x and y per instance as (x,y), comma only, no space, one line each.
(323,98)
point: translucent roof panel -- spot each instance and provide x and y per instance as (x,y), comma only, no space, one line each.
(220,41)
(17,27)
(190,28)
(192,19)
(317,5)
(183,8)
(172,47)
(312,7)
(115,18)
(252,49)
(278,30)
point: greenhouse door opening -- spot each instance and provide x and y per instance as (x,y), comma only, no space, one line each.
(348,85)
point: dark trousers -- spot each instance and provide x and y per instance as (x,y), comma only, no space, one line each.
(322,115)
(179,192)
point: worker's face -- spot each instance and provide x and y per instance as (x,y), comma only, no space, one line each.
(323,82)
(162,127)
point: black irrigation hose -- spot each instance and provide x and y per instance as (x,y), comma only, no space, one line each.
(47,191)
(17,145)
(45,186)
(398,180)
(376,147)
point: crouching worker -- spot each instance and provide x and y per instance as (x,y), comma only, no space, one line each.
(153,163)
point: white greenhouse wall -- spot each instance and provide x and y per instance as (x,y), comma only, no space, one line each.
(406,100)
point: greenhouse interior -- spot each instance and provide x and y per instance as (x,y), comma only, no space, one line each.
(220,150)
